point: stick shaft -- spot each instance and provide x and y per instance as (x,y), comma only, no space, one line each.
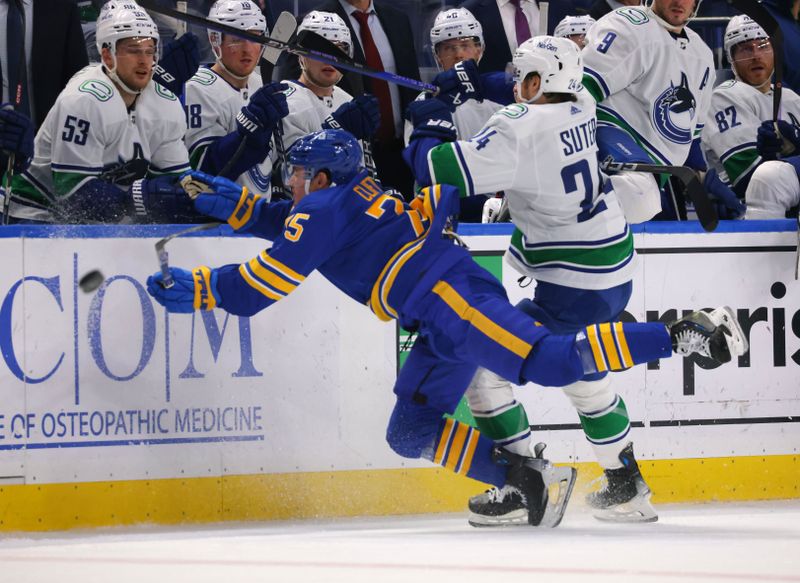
(326,58)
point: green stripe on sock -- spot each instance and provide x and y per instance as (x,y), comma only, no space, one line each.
(504,425)
(606,426)
(445,168)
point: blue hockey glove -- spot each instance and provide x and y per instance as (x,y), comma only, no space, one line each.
(178,63)
(498,86)
(161,200)
(258,118)
(222,199)
(192,290)
(361,117)
(459,84)
(728,204)
(16,137)
(431,118)
(771,143)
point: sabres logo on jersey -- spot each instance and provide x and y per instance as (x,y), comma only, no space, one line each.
(674,111)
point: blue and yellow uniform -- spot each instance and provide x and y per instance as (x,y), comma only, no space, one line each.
(394,258)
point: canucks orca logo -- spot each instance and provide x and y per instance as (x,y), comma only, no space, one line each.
(674,111)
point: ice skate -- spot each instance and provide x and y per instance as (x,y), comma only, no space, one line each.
(626,496)
(535,493)
(715,334)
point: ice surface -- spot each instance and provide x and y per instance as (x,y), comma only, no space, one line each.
(711,542)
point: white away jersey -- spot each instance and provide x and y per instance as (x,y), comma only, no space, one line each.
(307,111)
(211,107)
(651,83)
(469,117)
(729,135)
(570,229)
(90,133)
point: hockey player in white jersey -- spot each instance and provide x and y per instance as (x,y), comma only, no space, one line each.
(227,107)
(575,28)
(112,145)
(456,39)
(733,136)
(315,101)
(652,79)
(571,236)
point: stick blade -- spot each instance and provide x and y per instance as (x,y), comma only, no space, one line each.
(311,41)
(703,205)
(283,30)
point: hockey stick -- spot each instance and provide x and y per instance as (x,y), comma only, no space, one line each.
(17,100)
(308,44)
(163,257)
(544,14)
(706,211)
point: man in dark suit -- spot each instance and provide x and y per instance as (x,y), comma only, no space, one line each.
(498,51)
(391,31)
(57,50)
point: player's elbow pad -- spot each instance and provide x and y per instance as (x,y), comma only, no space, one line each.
(224,149)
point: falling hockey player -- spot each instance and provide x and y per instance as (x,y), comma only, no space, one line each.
(398,261)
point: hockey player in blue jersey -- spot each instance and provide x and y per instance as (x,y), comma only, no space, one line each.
(398,260)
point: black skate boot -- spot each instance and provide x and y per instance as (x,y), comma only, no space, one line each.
(626,496)
(715,334)
(526,497)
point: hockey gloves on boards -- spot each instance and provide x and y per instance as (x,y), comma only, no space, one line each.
(459,84)
(258,118)
(192,290)
(161,199)
(728,204)
(178,63)
(16,137)
(431,118)
(222,199)
(784,142)
(361,117)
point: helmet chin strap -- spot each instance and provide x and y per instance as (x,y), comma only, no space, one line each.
(112,73)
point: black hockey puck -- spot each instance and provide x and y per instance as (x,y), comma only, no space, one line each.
(91,281)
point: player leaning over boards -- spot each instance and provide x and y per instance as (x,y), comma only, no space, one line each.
(112,145)
(740,132)
(652,79)
(571,237)
(226,104)
(457,38)
(315,100)
(396,259)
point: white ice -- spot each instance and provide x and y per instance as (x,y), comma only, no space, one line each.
(713,542)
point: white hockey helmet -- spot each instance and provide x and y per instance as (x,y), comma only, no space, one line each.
(557,61)
(741,28)
(455,23)
(572,25)
(241,14)
(119,20)
(329,26)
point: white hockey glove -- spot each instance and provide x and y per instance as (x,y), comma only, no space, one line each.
(491,210)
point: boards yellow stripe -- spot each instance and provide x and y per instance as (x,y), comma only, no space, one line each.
(491,329)
(627,359)
(608,344)
(48,507)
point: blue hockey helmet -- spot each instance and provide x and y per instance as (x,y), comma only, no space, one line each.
(335,151)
